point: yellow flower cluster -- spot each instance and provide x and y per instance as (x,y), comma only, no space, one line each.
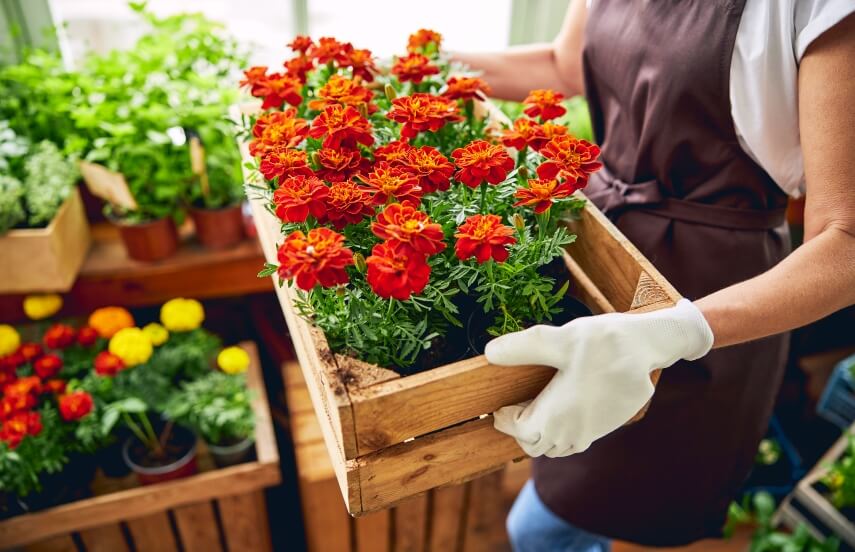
(9,340)
(182,315)
(132,345)
(41,306)
(233,360)
(156,333)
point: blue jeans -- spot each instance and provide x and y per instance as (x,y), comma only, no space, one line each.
(534,528)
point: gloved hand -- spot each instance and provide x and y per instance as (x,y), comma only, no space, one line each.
(603,379)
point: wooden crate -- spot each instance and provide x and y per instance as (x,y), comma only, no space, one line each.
(807,506)
(217,509)
(460,518)
(392,437)
(46,259)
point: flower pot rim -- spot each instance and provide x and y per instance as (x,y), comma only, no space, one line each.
(118,221)
(159,470)
(241,445)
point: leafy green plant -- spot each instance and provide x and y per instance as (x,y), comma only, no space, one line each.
(22,467)
(11,205)
(768,452)
(50,179)
(12,149)
(216,406)
(840,478)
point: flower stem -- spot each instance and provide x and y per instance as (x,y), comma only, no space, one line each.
(154,442)
(542,221)
(135,429)
(483,198)
(521,157)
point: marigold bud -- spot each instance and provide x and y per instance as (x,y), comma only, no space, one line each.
(359,262)
(315,158)
(518,222)
(390,92)
(522,172)
(340,291)
(363,109)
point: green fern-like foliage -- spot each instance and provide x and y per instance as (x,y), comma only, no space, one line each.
(49,181)
(11,207)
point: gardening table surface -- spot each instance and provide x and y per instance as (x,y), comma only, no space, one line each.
(109,277)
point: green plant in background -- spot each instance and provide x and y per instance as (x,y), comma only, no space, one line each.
(216,406)
(840,478)
(768,453)
(11,204)
(50,179)
(577,119)
(12,149)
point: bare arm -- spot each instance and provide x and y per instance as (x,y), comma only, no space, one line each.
(512,73)
(818,278)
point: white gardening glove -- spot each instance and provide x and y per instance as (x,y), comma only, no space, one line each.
(603,379)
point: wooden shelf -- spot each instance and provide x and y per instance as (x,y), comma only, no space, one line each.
(109,277)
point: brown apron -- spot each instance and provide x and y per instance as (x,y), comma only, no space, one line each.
(679,185)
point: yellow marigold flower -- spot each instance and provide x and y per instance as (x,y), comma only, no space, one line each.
(182,315)
(233,360)
(156,333)
(9,340)
(109,320)
(132,345)
(41,306)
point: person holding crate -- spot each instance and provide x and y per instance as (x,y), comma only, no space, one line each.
(709,114)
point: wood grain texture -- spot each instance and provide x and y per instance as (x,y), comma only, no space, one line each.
(105,538)
(448,518)
(411,524)
(197,527)
(62,543)
(326,521)
(373,532)
(244,521)
(152,533)
(485,509)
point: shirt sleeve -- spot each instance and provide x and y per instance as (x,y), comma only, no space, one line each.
(811,18)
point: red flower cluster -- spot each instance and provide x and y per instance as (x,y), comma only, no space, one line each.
(76,405)
(569,159)
(525,133)
(337,165)
(317,258)
(466,88)
(341,127)
(393,151)
(541,193)
(414,68)
(405,228)
(421,112)
(301,44)
(47,366)
(360,62)
(429,166)
(341,90)
(387,183)
(277,129)
(297,197)
(16,416)
(19,425)
(393,273)
(107,364)
(58,336)
(282,161)
(275,88)
(87,336)
(483,237)
(421,39)
(327,50)
(545,104)
(481,161)
(347,203)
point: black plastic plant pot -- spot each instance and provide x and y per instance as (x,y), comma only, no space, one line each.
(178,462)
(235,453)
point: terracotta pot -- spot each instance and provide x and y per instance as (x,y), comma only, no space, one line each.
(218,228)
(149,241)
(229,455)
(175,466)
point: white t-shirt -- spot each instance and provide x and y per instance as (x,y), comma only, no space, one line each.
(772,38)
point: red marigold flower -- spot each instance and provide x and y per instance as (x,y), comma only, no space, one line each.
(347,203)
(342,126)
(420,39)
(466,88)
(337,165)
(544,103)
(10,362)
(301,43)
(317,258)
(525,132)
(284,161)
(542,192)
(108,364)
(479,161)
(344,91)
(279,88)
(393,272)
(570,159)
(327,49)
(411,230)
(47,366)
(87,336)
(7,376)
(299,67)
(30,351)
(58,336)
(18,426)
(421,112)
(393,152)
(75,405)
(482,237)
(360,61)
(21,393)
(254,78)
(297,197)
(430,166)
(387,183)
(278,128)
(413,67)
(551,130)
(55,386)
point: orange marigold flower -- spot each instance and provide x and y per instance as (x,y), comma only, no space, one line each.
(347,203)
(395,273)
(360,61)
(109,320)
(254,78)
(327,49)
(317,258)
(430,166)
(482,237)
(75,405)
(108,364)
(481,161)
(545,104)
(344,91)
(413,67)
(299,67)
(419,40)
(30,351)
(337,165)
(342,126)
(466,88)
(388,183)
(297,197)
(393,152)
(551,130)
(301,44)
(542,192)
(281,161)
(570,159)
(47,366)
(18,426)
(279,88)
(58,336)
(421,112)
(278,128)
(411,230)
(525,132)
